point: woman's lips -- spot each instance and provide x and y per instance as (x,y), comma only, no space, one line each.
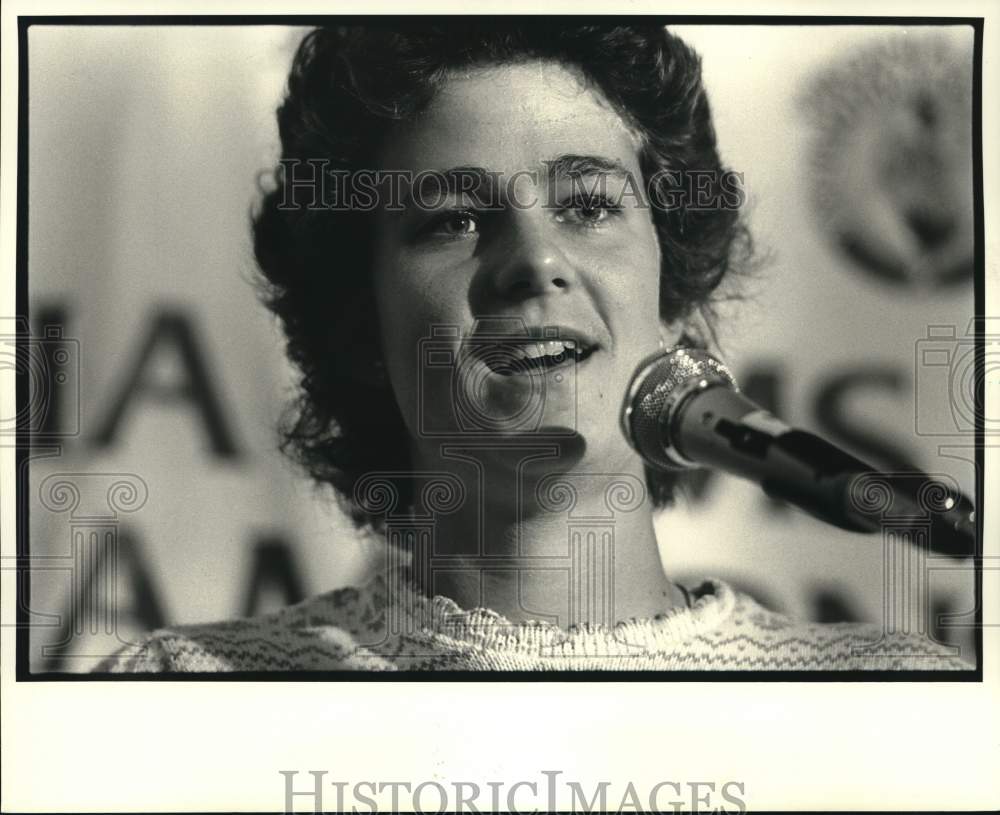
(516,391)
(532,358)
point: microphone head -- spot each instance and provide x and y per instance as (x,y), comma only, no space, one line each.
(660,385)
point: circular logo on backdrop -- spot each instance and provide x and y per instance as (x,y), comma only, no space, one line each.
(891,158)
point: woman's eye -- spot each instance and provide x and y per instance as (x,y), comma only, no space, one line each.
(590,212)
(596,214)
(454,225)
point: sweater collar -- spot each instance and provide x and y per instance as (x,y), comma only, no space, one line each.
(442,620)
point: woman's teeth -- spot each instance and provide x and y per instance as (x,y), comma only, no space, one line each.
(549,348)
(533,357)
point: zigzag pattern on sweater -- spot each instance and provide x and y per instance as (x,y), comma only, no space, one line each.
(387,625)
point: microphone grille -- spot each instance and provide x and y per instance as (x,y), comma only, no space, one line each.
(659,385)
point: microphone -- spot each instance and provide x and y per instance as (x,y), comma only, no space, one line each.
(684,410)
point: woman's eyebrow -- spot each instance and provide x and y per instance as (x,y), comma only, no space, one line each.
(573,165)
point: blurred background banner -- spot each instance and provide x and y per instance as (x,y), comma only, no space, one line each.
(155,484)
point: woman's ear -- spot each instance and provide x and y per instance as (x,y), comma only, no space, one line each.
(670,333)
(692,330)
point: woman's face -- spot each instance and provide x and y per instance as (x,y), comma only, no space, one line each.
(543,262)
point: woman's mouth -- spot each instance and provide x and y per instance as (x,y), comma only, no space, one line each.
(532,357)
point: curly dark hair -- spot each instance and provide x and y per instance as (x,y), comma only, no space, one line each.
(346,89)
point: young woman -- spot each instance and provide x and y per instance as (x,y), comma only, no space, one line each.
(478,230)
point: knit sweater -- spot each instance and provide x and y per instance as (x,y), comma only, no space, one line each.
(388,625)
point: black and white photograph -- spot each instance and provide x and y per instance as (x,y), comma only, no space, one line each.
(405,362)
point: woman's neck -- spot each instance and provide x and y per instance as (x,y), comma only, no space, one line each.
(533,543)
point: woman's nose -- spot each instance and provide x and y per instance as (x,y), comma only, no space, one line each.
(530,261)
